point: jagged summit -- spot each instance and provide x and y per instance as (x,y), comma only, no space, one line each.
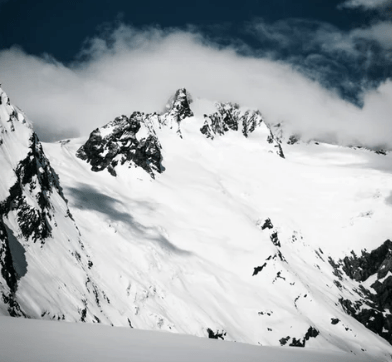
(178,108)
(230,116)
(134,141)
(118,143)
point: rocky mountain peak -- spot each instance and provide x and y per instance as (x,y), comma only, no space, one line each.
(230,117)
(126,140)
(133,140)
(178,106)
(11,117)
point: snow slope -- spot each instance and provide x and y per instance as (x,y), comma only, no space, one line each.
(226,240)
(43,341)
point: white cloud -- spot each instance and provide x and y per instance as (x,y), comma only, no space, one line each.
(140,70)
(380,32)
(364,4)
(310,35)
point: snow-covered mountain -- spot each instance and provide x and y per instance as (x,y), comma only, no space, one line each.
(45,266)
(199,220)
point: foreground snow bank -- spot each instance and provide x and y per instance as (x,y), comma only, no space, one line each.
(40,341)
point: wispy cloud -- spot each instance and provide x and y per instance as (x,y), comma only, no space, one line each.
(364,4)
(380,32)
(129,69)
(349,62)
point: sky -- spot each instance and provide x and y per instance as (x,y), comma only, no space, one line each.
(322,67)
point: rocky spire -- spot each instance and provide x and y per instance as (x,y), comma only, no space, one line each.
(230,117)
(133,141)
(178,108)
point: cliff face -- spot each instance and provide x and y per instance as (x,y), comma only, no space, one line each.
(374,307)
(117,144)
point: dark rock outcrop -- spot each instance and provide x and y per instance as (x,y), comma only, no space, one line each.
(229,117)
(300,342)
(217,335)
(7,268)
(9,274)
(35,176)
(267,224)
(275,239)
(258,269)
(376,314)
(120,145)
(119,142)
(377,261)
(178,106)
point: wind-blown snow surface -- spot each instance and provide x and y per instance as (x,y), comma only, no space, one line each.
(181,252)
(42,341)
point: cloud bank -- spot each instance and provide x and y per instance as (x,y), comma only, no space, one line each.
(130,69)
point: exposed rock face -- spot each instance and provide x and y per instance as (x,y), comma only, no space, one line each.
(217,335)
(7,268)
(229,117)
(9,275)
(28,197)
(117,143)
(133,141)
(374,307)
(371,307)
(267,224)
(310,333)
(178,108)
(377,261)
(38,233)
(36,181)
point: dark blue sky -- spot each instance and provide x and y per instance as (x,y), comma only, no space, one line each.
(60,27)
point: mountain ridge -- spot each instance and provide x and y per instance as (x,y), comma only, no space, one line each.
(176,250)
